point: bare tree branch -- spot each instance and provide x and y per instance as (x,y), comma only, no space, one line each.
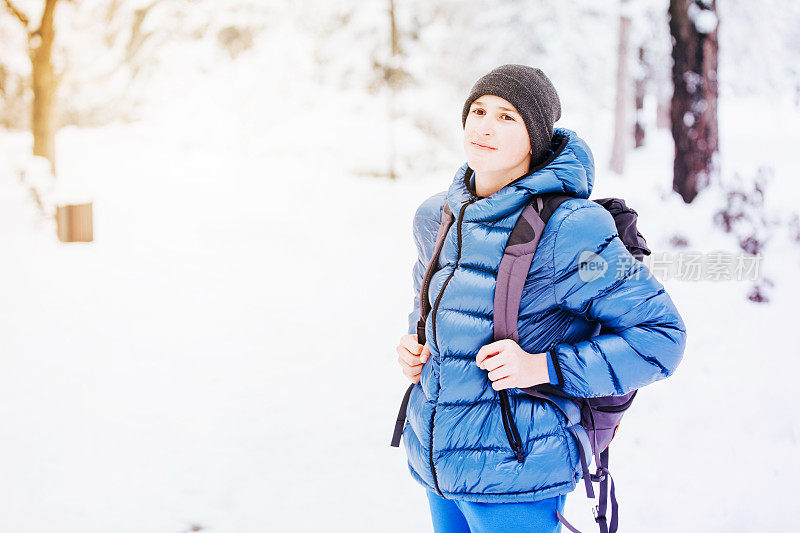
(19,14)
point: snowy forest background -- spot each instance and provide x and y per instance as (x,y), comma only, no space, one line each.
(221,356)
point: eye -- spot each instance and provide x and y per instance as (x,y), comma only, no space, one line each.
(507,115)
(477,109)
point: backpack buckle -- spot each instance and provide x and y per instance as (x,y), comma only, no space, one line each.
(597,516)
(420,330)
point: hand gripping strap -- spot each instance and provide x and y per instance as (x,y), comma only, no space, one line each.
(424,309)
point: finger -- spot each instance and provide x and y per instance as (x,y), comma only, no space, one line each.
(489,350)
(495,361)
(410,358)
(499,373)
(411,372)
(410,343)
(426,351)
(413,376)
(500,384)
(413,363)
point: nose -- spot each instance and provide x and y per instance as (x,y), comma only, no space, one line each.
(483,127)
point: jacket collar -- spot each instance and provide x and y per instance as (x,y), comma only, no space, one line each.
(568,168)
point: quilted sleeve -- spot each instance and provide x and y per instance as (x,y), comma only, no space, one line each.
(643,336)
(426,224)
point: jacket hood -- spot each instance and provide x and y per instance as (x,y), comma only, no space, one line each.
(568,168)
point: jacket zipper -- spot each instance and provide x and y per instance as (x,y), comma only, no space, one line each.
(510,427)
(512,433)
(433,326)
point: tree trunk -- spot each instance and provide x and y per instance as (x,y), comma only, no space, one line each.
(621,127)
(393,79)
(640,89)
(44,86)
(662,112)
(693,25)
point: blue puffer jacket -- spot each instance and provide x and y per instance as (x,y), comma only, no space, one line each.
(454,435)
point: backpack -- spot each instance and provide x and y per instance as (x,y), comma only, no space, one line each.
(600,416)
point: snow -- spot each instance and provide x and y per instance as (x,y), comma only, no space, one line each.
(222,355)
(704,20)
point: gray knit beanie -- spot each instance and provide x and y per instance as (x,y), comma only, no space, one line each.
(532,95)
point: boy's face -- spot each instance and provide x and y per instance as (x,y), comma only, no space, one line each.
(493,122)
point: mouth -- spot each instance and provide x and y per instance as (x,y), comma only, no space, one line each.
(483,146)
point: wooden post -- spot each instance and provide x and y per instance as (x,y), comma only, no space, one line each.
(74,222)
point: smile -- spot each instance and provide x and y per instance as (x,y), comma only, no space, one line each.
(483,147)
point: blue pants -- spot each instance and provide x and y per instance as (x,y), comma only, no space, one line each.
(457,516)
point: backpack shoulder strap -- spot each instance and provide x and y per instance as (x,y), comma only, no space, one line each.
(516,262)
(424,301)
(550,204)
(514,267)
